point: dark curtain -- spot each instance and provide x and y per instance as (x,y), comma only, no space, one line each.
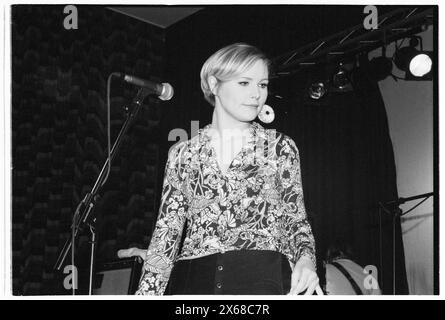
(348,169)
(59,138)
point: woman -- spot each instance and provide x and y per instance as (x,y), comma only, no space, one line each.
(235,189)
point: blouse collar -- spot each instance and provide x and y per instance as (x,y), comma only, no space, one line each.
(258,138)
(256,130)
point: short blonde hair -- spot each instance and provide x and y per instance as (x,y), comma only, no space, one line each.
(227,63)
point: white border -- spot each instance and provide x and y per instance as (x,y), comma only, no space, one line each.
(5,179)
(5,159)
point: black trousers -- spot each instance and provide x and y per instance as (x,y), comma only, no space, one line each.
(243,272)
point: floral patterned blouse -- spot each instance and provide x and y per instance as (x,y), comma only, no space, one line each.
(256,205)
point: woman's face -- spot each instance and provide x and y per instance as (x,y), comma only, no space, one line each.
(243,96)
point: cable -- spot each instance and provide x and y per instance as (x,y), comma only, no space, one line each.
(380,244)
(393,254)
(399,45)
(73,239)
(108,127)
(76,214)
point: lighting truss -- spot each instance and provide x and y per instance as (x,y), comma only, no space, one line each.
(392,26)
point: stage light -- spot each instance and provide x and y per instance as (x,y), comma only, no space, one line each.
(341,81)
(417,64)
(380,67)
(420,65)
(331,78)
(317,90)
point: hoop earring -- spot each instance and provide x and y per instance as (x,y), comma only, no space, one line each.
(266,115)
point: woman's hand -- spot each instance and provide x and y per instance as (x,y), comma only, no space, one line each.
(132,252)
(304,277)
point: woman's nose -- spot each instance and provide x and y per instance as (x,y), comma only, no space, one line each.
(255,92)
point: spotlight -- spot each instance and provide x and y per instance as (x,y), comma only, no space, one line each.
(380,67)
(340,80)
(317,90)
(331,78)
(417,64)
(420,65)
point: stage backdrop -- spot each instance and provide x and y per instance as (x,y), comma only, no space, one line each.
(411,116)
(59,137)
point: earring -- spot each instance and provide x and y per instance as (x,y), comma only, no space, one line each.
(266,114)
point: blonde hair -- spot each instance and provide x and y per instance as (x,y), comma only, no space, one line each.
(227,63)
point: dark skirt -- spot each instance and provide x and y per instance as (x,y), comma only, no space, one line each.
(244,272)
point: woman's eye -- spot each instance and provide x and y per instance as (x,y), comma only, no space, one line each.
(244,83)
(264,85)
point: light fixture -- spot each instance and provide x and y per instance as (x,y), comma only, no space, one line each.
(417,64)
(336,78)
(380,67)
(317,90)
(341,81)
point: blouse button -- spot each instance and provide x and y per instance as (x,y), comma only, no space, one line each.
(220,268)
(219,285)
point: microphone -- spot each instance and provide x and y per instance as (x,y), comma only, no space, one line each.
(164,91)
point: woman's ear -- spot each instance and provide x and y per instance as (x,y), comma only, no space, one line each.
(213,84)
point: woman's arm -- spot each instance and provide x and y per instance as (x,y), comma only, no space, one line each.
(166,237)
(298,230)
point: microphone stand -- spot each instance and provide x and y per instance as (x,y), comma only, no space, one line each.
(397,212)
(85,208)
(403,200)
